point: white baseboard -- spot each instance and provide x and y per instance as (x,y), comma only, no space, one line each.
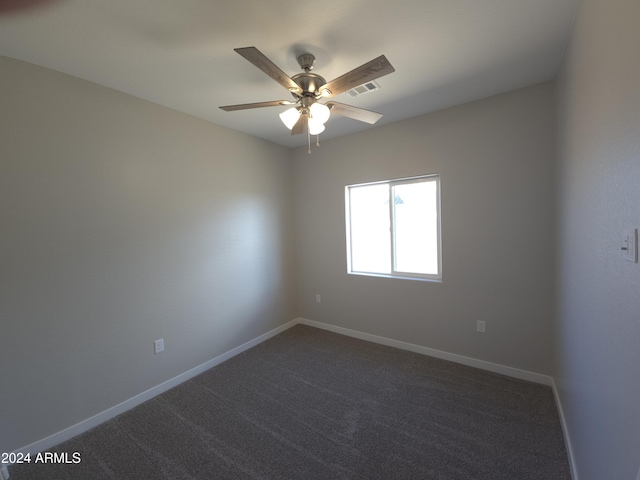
(565,431)
(472,362)
(83,426)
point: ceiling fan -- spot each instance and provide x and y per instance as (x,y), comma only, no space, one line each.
(309,114)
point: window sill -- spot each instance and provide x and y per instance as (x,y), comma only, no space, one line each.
(400,277)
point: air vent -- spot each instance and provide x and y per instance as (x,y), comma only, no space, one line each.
(371,86)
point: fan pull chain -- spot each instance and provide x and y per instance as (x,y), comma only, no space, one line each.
(318,140)
(309,141)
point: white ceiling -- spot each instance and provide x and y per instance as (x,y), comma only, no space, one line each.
(180,53)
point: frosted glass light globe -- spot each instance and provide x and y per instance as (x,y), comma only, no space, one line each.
(290,117)
(315,126)
(320,112)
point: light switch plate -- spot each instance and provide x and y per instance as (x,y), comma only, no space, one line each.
(629,249)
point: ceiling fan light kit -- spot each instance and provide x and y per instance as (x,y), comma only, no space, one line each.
(308,88)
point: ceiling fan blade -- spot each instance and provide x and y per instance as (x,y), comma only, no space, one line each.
(376,68)
(301,124)
(356,113)
(246,106)
(256,57)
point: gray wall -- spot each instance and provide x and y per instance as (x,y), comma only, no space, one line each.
(123,222)
(598,322)
(496,160)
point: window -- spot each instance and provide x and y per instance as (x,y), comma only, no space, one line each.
(393,228)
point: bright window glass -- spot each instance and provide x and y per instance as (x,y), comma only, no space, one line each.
(393,228)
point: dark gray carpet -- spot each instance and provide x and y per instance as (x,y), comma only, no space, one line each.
(310,404)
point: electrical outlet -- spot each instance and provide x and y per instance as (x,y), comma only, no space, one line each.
(158,345)
(318,298)
(481,326)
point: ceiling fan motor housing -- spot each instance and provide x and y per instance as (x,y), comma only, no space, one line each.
(309,83)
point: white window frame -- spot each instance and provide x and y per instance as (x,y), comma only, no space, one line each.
(395,273)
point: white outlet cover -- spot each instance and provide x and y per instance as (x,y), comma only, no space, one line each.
(158,345)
